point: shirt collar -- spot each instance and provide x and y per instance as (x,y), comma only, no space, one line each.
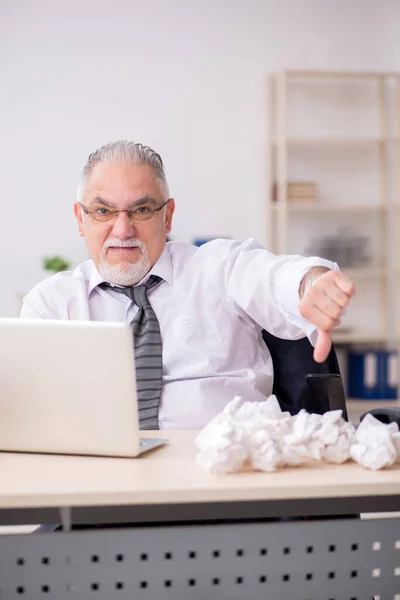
(162,268)
(94,278)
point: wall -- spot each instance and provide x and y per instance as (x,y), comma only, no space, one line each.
(186,77)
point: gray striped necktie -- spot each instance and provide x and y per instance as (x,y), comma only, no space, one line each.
(148,352)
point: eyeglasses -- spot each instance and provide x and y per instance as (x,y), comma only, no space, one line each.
(103,214)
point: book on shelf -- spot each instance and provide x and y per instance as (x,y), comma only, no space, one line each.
(298,191)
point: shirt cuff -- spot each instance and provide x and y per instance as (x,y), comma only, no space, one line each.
(288,284)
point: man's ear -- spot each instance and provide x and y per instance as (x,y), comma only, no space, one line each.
(79,218)
(170,209)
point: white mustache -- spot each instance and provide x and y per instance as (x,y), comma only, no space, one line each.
(115,243)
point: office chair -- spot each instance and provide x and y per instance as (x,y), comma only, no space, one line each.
(300,382)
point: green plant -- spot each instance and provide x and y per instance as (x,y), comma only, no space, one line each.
(55,264)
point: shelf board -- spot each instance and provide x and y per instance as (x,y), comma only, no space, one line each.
(357,407)
(360,272)
(358,337)
(373,403)
(318,206)
(334,141)
(340,74)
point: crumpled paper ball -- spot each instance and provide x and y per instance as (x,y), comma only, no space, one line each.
(376,445)
(336,436)
(222,445)
(266,438)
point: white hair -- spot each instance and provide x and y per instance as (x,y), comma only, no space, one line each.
(125,151)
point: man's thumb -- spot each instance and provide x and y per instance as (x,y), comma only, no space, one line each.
(323,346)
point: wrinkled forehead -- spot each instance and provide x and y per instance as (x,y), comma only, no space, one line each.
(122,183)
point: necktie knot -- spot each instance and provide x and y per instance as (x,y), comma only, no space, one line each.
(137,293)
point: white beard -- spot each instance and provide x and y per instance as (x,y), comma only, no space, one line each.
(129,273)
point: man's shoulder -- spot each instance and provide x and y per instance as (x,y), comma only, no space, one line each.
(187,256)
(188,251)
(66,279)
(211,258)
(52,295)
(218,248)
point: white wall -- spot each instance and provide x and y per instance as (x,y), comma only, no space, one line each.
(187,77)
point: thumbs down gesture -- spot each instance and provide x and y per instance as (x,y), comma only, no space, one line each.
(324,296)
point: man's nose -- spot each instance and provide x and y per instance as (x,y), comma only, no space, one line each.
(123,227)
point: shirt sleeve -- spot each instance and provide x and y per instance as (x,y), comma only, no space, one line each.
(266,287)
(34,310)
(45,301)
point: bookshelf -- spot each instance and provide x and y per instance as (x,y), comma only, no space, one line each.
(340,131)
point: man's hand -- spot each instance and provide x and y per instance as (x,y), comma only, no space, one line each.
(322,304)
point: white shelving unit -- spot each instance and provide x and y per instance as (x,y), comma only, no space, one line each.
(341,131)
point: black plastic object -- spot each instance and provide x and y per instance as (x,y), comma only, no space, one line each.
(327,392)
(385,415)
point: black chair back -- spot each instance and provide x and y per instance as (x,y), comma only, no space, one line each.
(299,381)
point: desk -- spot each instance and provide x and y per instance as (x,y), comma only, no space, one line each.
(194,535)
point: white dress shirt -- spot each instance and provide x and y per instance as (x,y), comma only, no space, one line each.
(212,305)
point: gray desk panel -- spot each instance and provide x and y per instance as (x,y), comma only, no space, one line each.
(320,560)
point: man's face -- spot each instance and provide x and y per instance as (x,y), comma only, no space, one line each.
(124,249)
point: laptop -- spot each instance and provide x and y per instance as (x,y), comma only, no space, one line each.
(69,387)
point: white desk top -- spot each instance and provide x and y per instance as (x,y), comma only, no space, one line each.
(169,475)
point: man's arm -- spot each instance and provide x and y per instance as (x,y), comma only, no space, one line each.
(264,286)
(324,294)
